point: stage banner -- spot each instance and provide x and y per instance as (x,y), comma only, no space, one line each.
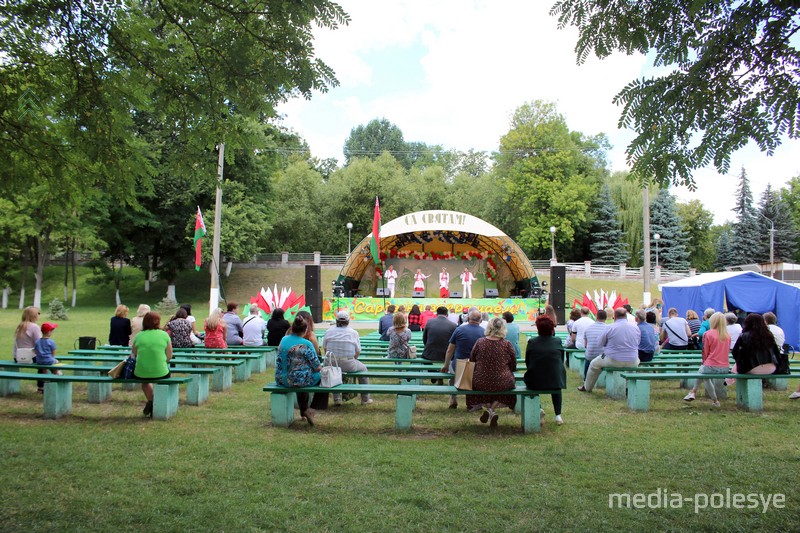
(371,309)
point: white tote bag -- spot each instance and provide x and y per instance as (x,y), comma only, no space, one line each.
(25,355)
(330,375)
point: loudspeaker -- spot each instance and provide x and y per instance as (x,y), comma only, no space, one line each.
(382,291)
(314,292)
(419,294)
(490,293)
(558,289)
(455,294)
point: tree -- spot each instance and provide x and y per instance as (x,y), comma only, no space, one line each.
(729,78)
(628,196)
(790,196)
(551,176)
(664,221)
(773,209)
(696,223)
(378,136)
(746,233)
(608,240)
(726,255)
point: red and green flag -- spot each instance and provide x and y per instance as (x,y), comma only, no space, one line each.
(375,243)
(199,233)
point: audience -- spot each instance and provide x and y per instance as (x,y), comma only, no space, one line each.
(460,347)
(591,339)
(415,319)
(179,330)
(427,314)
(495,363)
(297,365)
(716,349)
(512,332)
(233,334)
(215,330)
(579,328)
(648,342)
(399,338)
(345,345)
(754,349)
(675,332)
(26,335)
(436,335)
(120,330)
(277,326)
(152,349)
(136,322)
(734,328)
(253,328)
(620,343)
(385,323)
(544,359)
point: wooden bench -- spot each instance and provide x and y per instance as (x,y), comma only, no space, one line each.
(196,390)
(257,362)
(58,391)
(282,400)
(749,391)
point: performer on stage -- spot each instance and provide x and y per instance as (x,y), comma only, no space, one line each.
(467,278)
(444,283)
(419,280)
(391,277)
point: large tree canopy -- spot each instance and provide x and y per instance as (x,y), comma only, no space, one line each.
(733,76)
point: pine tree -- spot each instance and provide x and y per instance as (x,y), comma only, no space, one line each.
(664,220)
(608,240)
(746,231)
(57,310)
(773,209)
(725,253)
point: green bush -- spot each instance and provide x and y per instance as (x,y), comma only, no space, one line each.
(57,310)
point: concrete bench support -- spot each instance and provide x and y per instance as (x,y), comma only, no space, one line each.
(638,394)
(57,399)
(404,411)
(223,380)
(197,389)
(282,408)
(749,395)
(531,406)
(165,401)
(615,383)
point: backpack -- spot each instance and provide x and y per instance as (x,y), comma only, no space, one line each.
(780,356)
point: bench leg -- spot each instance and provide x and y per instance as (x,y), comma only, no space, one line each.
(197,389)
(615,384)
(413,381)
(638,395)
(403,412)
(165,401)
(282,404)
(749,395)
(98,392)
(531,406)
(9,386)
(223,380)
(130,386)
(57,399)
(258,366)
(778,383)
(269,359)
(242,372)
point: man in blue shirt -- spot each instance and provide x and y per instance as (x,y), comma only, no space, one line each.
(647,344)
(461,343)
(620,343)
(385,323)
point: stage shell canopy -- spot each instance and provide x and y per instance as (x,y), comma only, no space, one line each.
(432,233)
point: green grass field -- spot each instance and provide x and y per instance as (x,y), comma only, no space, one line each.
(222,467)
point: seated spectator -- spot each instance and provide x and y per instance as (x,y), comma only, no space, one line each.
(345,344)
(152,349)
(253,328)
(215,329)
(495,363)
(297,365)
(120,330)
(136,322)
(436,335)
(399,338)
(754,349)
(512,332)
(704,325)
(196,337)
(675,332)
(592,339)
(694,321)
(648,342)
(579,328)
(734,328)
(777,331)
(620,344)
(427,314)
(385,323)
(233,334)
(179,330)
(415,318)
(716,349)
(277,326)
(574,316)
(544,359)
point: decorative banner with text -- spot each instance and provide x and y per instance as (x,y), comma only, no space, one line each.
(371,309)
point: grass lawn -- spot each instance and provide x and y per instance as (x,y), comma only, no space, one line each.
(222,467)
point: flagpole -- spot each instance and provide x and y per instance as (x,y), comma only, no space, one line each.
(213,301)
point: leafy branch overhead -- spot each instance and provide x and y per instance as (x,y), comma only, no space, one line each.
(732,77)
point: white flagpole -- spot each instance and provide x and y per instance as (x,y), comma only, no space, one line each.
(213,301)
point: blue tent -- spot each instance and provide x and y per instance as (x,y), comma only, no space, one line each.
(748,291)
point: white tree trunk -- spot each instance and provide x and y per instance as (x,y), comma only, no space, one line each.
(228,269)
(37,296)
(147,285)
(116,294)
(66,289)
(74,297)
(22,298)
(171,292)
(6,291)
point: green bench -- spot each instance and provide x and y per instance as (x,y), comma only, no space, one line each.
(282,400)
(749,390)
(196,390)
(257,362)
(58,391)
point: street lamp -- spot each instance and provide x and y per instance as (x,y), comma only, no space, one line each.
(771,245)
(553,243)
(349,230)
(657,237)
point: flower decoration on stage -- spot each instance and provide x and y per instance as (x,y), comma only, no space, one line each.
(601,301)
(491,269)
(439,256)
(270,299)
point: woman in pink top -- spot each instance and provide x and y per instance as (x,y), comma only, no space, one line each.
(716,349)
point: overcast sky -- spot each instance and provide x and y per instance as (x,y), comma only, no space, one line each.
(451,73)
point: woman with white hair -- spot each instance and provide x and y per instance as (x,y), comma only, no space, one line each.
(136,322)
(495,362)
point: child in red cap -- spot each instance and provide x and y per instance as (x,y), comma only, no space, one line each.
(45,349)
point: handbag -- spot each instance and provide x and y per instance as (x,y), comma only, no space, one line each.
(128,368)
(116,372)
(330,376)
(25,355)
(464,371)
(412,352)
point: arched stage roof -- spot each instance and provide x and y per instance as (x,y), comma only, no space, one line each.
(441,232)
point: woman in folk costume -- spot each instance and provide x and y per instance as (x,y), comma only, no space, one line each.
(444,283)
(419,280)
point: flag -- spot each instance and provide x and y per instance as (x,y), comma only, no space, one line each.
(199,233)
(375,244)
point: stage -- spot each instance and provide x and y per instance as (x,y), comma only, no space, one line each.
(371,309)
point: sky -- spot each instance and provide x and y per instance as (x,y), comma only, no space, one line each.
(452,72)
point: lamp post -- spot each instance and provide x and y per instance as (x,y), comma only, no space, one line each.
(553,243)
(771,245)
(349,231)
(657,237)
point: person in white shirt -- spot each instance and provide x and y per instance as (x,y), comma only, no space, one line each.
(466,281)
(391,278)
(345,344)
(734,328)
(253,328)
(419,280)
(579,328)
(444,283)
(777,331)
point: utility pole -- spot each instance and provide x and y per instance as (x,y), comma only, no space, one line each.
(646,231)
(213,301)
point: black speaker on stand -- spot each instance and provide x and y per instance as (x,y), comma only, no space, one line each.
(314,292)
(558,289)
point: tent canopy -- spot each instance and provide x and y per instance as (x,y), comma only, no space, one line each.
(442,232)
(748,291)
